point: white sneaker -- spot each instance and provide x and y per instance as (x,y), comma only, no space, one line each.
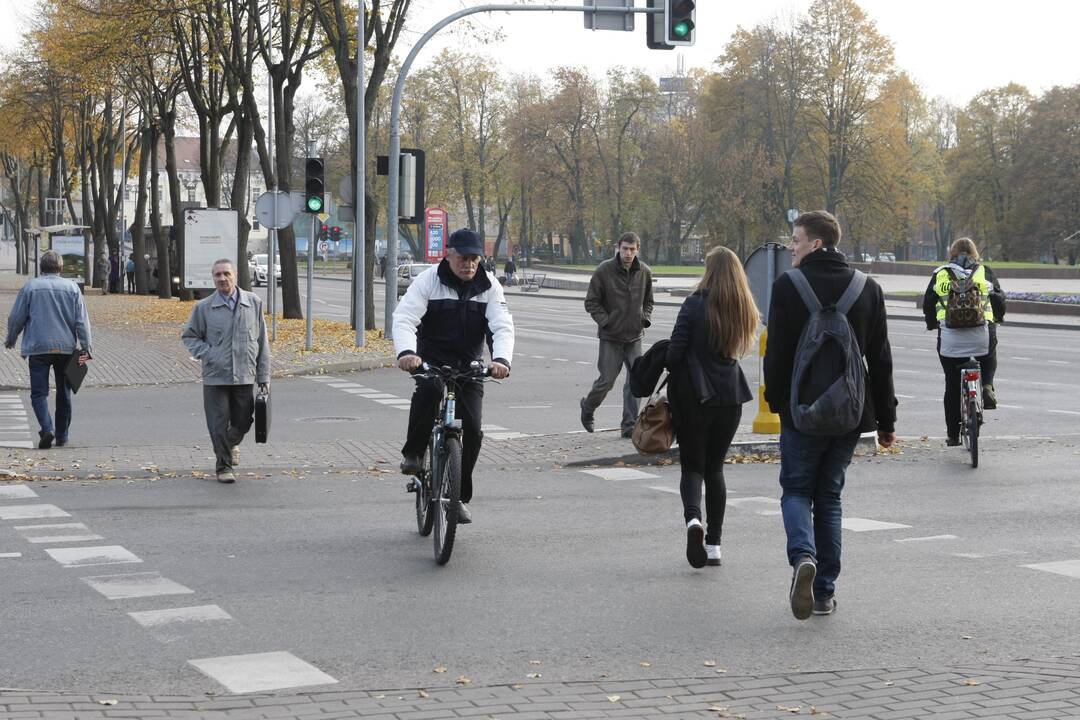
(695,544)
(713,551)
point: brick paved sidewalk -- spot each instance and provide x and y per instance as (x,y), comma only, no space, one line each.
(126,354)
(1020,690)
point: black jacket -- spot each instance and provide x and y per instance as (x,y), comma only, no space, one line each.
(695,365)
(829,275)
(620,300)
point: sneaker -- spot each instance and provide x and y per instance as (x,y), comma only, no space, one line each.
(226,476)
(61,442)
(695,544)
(410,464)
(234,455)
(586,417)
(989,398)
(802,588)
(713,551)
(952,441)
(825,606)
(628,432)
(464,517)
(46,440)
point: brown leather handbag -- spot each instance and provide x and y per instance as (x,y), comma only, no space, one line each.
(654,432)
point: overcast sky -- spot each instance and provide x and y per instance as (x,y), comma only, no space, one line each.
(952,48)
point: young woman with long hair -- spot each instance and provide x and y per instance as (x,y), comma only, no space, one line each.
(716,326)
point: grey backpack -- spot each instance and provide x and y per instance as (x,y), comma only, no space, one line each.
(828,385)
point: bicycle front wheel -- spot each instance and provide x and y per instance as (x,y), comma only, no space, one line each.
(973,431)
(447,495)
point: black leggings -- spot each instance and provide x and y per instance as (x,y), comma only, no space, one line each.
(705,433)
(470,407)
(951,366)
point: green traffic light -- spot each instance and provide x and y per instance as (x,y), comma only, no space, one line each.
(681,29)
(315,203)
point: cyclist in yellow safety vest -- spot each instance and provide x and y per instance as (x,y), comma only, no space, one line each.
(956,345)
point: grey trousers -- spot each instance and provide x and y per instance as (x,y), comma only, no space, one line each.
(230,410)
(613,356)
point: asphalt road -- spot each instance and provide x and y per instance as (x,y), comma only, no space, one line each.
(580,570)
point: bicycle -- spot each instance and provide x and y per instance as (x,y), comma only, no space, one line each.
(971,408)
(438,485)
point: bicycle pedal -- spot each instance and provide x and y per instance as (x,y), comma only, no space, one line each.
(412,486)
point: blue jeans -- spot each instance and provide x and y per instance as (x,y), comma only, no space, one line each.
(812,478)
(40,365)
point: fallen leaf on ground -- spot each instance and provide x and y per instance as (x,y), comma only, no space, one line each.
(462,680)
(613,698)
(424,694)
(710,663)
(440,669)
(790,709)
(969,681)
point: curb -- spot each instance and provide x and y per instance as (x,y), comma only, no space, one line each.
(868,441)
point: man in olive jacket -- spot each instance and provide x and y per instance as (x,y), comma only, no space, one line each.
(227,333)
(620,301)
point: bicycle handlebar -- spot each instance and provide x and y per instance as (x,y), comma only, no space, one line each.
(446,372)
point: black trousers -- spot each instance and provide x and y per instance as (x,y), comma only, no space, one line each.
(705,433)
(230,410)
(952,366)
(469,409)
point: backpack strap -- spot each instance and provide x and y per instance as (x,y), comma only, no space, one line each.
(851,295)
(802,285)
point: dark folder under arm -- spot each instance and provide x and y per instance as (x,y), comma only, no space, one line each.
(74,372)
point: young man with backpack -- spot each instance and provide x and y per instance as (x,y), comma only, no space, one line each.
(819,332)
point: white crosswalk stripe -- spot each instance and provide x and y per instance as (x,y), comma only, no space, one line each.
(261,672)
(15,428)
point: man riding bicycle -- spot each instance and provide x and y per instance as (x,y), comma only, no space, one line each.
(444,318)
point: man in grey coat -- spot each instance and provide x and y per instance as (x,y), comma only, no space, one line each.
(227,332)
(620,301)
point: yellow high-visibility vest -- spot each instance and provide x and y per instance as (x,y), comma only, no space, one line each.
(943,281)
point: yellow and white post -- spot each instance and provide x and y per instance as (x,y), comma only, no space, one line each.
(765,421)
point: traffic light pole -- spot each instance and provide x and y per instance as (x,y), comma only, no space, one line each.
(395,136)
(359,255)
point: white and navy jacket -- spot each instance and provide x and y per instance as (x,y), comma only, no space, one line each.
(446,320)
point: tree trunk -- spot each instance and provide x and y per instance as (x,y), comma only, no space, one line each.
(169,128)
(138,242)
(164,269)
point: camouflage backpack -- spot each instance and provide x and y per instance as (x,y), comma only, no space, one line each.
(964,303)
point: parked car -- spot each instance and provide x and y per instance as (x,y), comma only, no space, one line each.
(886,257)
(259,269)
(406,273)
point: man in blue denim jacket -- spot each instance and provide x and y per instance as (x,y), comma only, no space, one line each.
(50,313)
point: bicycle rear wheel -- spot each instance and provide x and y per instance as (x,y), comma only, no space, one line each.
(425,518)
(447,494)
(972,421)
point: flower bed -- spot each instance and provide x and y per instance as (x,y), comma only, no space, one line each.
(1043,297)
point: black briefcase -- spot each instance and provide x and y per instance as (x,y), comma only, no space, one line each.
(262,416)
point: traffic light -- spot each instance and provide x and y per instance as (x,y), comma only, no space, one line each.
(672,27)
(313,186)
(335,233)
(679,16)
(323,233)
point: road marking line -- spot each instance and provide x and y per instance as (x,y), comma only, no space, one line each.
(62,532)
(100,555)
(260,672)
(528,407)
(135,585)
(393,401)
(617,474)
(1068,568)
(559,360)
(770,502)
(1064,412)
(864,525)
(1058,362)
(14,492)
(1010,407)
(898,347)
(920,350)
(909,372)
(485,428)
(905,397)
(378,396)
(582,362)
(928,538)
(360,391)
(345,385)
(19,444)
(11,555)
(669,490)
(400,407)
(27,512)
(510,435)
(194,614)
(1020,358)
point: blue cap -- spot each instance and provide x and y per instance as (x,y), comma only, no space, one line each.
(466,242)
